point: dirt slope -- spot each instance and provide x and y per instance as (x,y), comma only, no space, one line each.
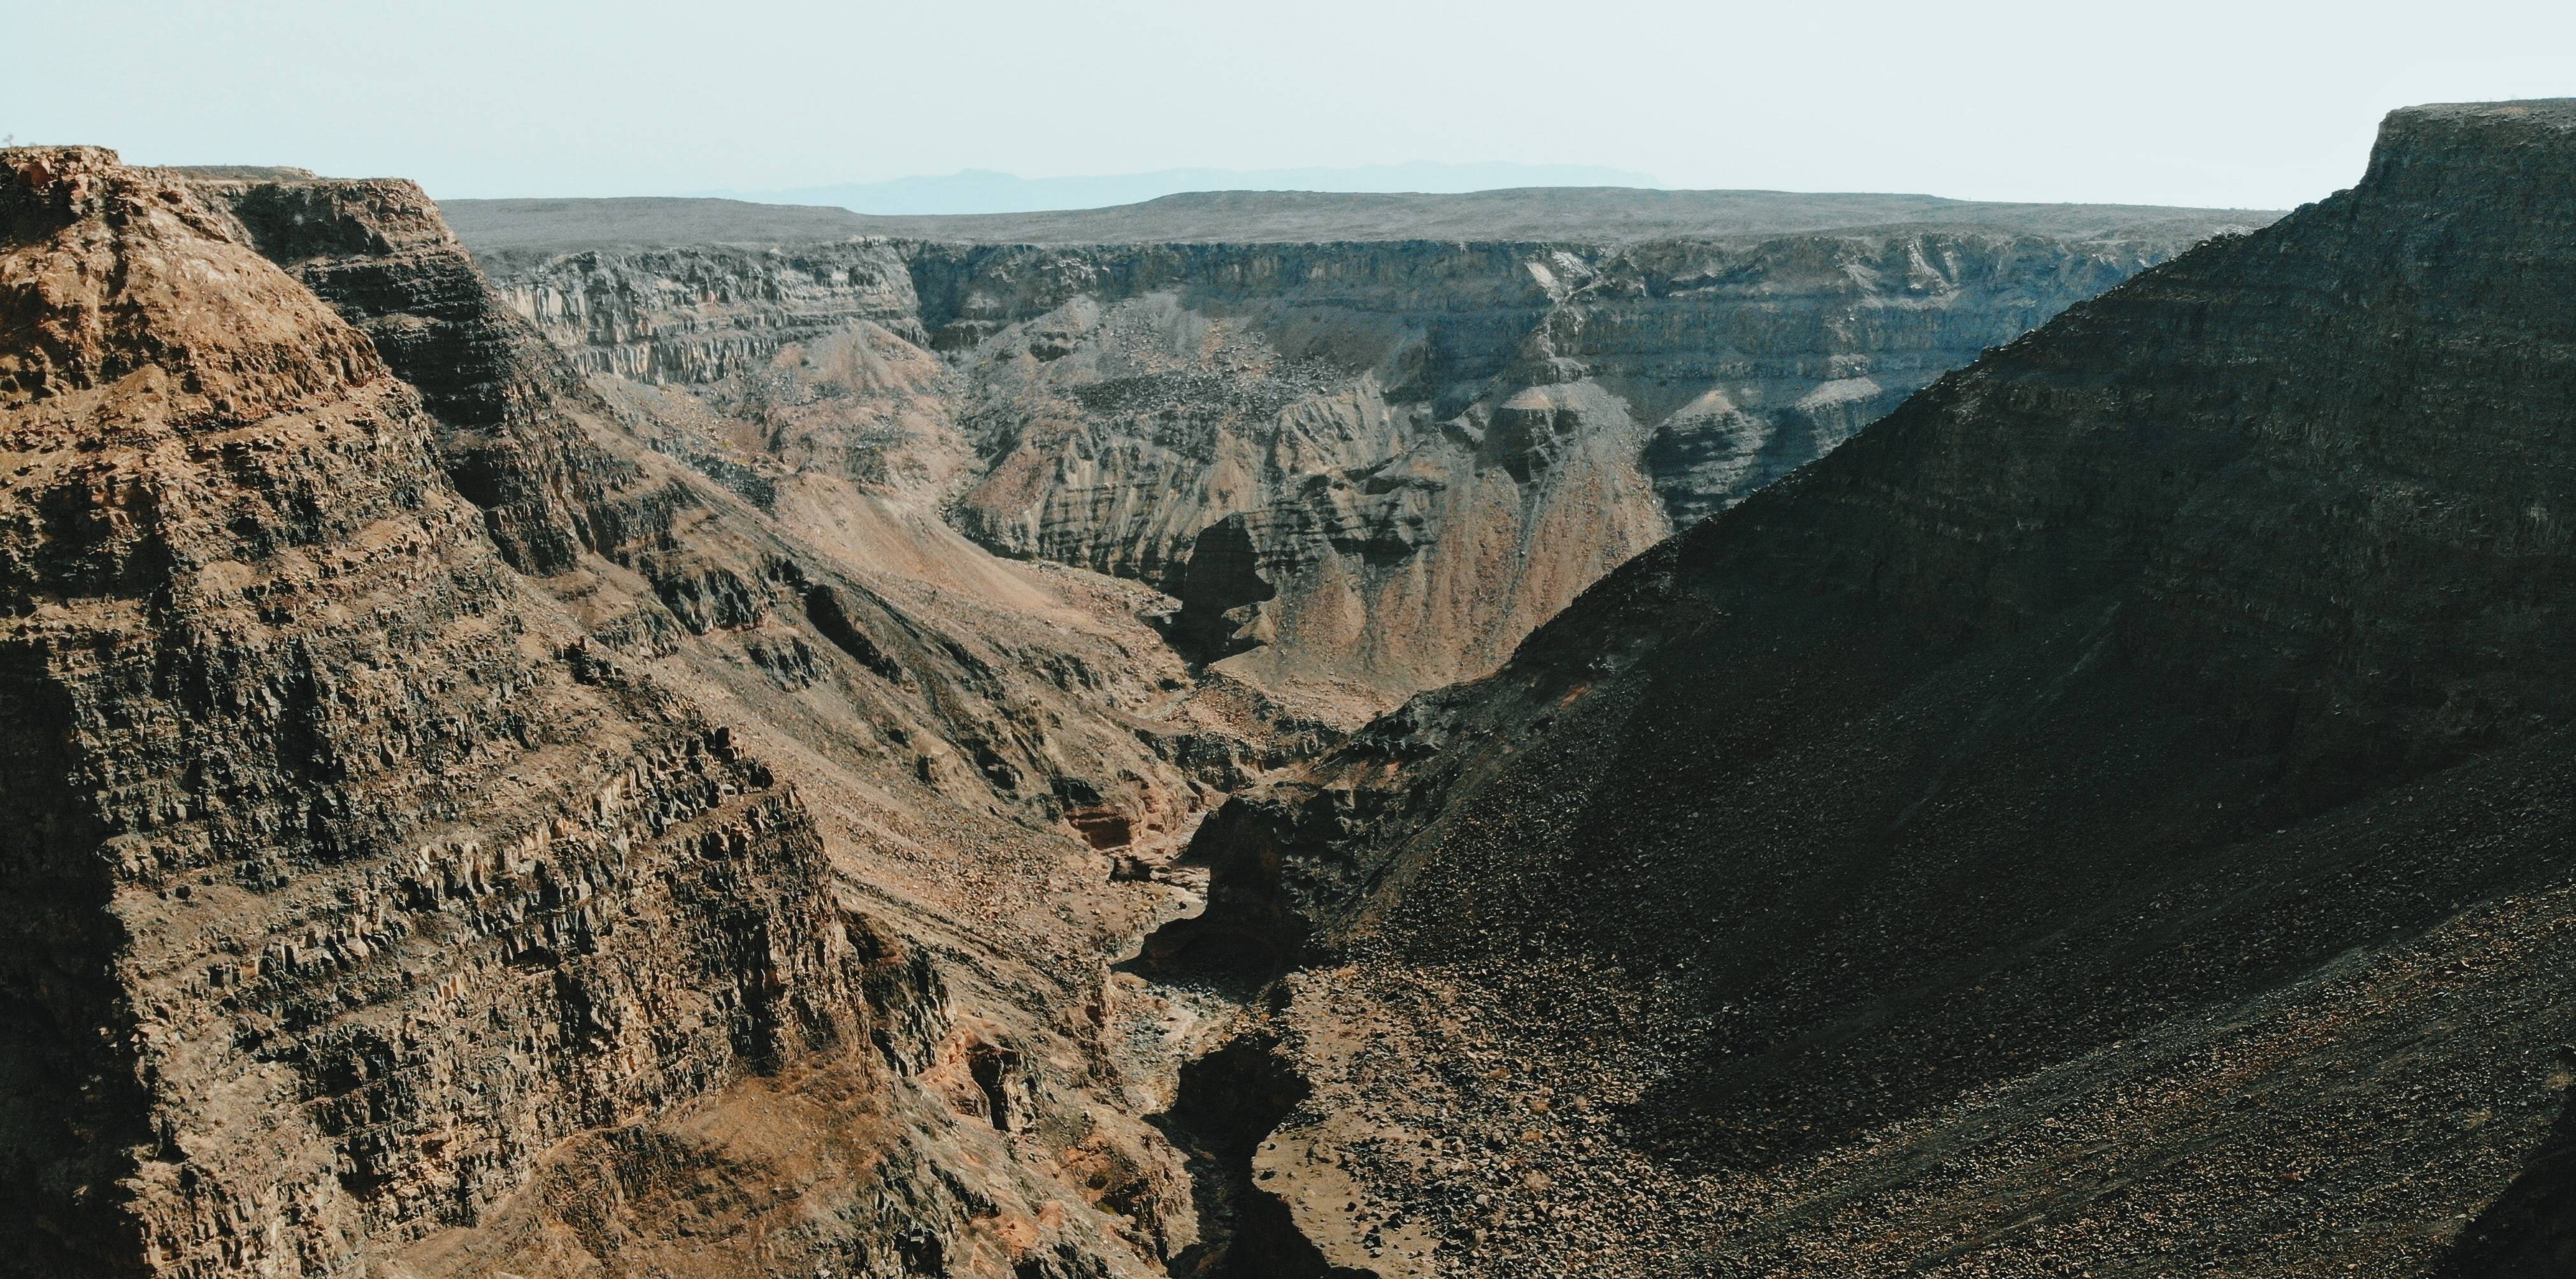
(2110,817)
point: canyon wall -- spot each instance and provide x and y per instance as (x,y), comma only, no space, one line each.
(448,835)
(2108,816)
(1362,469)
(655,760)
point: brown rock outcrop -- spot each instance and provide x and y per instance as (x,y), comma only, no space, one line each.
(447,836)
(376,896)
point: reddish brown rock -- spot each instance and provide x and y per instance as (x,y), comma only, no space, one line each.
(447,837)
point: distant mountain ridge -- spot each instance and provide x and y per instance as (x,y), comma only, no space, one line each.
(975,191)
(2109,816)
(1522,214)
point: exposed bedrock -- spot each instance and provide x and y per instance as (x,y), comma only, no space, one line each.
(447,836)
(1430,447)
(377,252)
(380,897)
(2110,815)
(556,470)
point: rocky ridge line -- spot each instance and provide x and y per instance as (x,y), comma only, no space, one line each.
(2110,815)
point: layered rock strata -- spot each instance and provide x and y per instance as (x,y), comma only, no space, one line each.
(374,895)
(1427,448)
(2109,816)
(448,836)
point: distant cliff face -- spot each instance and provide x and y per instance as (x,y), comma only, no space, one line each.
(1407,454)
(448,836)
(2111,815)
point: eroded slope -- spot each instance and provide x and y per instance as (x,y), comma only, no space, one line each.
(2110,816)
(1398,457)
(448,835)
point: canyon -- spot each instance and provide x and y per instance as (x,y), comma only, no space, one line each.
(1361,467)
(1269,735)
(449,837)
(2108,817)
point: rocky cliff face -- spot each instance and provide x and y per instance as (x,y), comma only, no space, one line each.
(378,252)
(348,841)
(2110,815)
(447,836)
(1407,454)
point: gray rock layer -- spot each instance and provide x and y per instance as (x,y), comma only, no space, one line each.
(1430,447)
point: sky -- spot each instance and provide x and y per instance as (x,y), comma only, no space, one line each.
(2242,103)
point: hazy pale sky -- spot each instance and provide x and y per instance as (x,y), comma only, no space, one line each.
(2208,102)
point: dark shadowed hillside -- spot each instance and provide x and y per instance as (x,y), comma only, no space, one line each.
(2109,817)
